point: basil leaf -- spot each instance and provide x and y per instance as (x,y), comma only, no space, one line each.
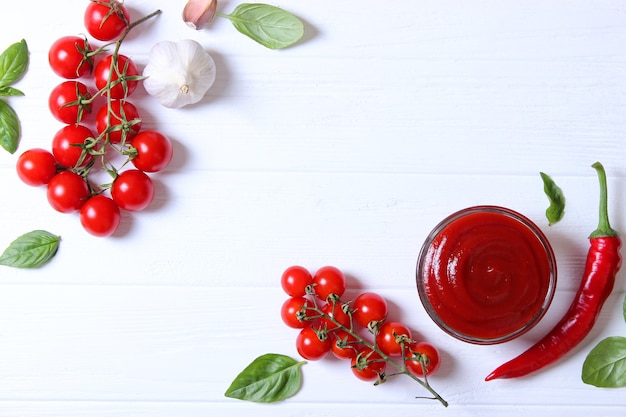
(605,365)
(10,91)
(13,63)
(269,378)
(31,250)
(268,25)
(9,127)
(556,210)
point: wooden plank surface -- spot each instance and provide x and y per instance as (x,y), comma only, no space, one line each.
(346,149)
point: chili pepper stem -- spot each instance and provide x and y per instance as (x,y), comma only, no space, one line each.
(604,226)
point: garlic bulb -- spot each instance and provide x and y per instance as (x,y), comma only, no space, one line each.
(178,73)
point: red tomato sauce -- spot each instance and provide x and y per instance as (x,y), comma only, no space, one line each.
(486,276)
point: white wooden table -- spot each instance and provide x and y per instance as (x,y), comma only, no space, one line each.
(344,150)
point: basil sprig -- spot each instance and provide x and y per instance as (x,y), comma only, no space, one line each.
(268,25)
(605,365)
(556,209)
(13,65)
(269,378)
(31,250)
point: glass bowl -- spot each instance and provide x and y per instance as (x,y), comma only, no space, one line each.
(486,274)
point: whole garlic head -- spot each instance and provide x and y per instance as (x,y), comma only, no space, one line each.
(178,73)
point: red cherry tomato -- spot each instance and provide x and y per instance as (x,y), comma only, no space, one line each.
(69,102)
(344,345)
(422,351)
(328,280)
(292,308)
(369,307)
(368,365)
(67,192)
(36,167)
(386,337)
(295,279)
(132,190)
(105,20)
(154,151)
(123,121)
(100,216)
(310,346)
(122,82)
(66,146)
(68,57)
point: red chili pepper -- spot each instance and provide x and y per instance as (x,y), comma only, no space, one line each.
(603,262)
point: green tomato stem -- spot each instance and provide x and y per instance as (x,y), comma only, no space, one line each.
(401,369)
(106,91)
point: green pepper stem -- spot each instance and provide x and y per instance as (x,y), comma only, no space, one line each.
(604,227)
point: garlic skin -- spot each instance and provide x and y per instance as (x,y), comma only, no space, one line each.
(178,73)
(199,13)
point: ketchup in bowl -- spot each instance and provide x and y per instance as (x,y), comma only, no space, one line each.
(486,274)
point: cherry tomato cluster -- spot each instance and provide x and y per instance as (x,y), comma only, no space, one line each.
(358,331)
(102,127)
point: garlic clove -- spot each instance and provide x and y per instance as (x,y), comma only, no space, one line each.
(178,73)
(199,13)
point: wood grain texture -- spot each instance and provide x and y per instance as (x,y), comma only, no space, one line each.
(344,150)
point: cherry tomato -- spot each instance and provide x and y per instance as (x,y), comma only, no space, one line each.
(369,307)
(67,145)
(310,346)
(122,122)
(68,102)
(344,345)
(36,167)
(67,192)
(132,190)
(335,311)
(122,81)
(328,280)
(105,20)
(100,216)
(68,57)
(367,365)
(154,151)
(292,308)
(295,279)
(386,337)
(426,351)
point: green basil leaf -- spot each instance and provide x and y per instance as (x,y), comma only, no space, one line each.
(556,210)
(268,25)
(10,91)
(605,365)
(31,250)
(13,63)
(9,127)
(269,378)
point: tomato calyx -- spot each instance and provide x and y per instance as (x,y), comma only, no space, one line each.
(88,56)
(83,103)
(367,359)
(115,9)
